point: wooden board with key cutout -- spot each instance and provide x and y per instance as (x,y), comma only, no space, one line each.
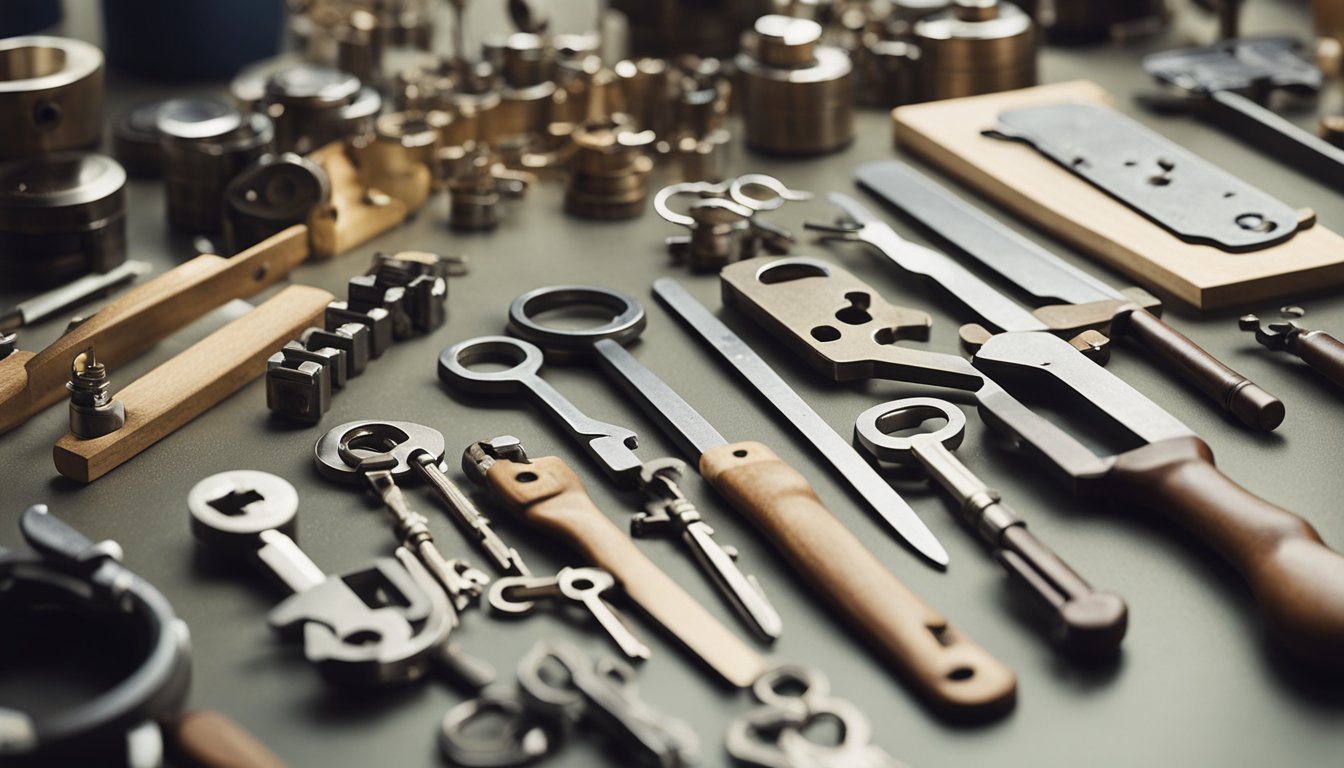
(948,135)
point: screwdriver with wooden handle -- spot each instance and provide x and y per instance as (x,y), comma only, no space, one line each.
(548,495)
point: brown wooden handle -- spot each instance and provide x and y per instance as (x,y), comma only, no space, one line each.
(205,739)
(193,382)
(1321,351)
(547,494)
(955,676)
(1297,580)
(1235,393)
(142,317)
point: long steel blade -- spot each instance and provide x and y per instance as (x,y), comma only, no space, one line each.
(856,470)
(1035,270)
(673,415)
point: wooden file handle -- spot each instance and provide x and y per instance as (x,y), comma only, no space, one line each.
(1321,351)
(1252,405)
(954,674)
(547,494)
(205,739)
(142,317)
(191,383)
(1297,580)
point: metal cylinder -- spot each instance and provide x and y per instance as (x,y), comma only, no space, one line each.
(202,153)
(313,105)
(608,172)
(61,215)
(276,192)
(797,95)
(51,95)
(974,47)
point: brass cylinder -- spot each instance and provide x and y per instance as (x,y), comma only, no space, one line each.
(51,95)
(797,95)
(974,47)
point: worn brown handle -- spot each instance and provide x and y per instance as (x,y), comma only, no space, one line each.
(205,739)
(142,317)
(1321,351)
(547,494)
(955,676)
(1298,581)
(1235,393)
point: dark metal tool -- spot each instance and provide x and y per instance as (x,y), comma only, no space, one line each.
(953,674)
(1083,621)
(1227,84)
(1086,301)
(1297,580)
(71,294)
(1176,189)
(667,509)
(1318,349)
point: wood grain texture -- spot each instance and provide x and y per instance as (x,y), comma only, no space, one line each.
(192,382)
(1016,176)
(1321,351)
(953,674)
(1298,581)
(206,739)
(142,317)
(548,495)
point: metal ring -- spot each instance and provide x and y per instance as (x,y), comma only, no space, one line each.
(873,427)
(812,684)
(523,740)
(52,95)
(700,188)
(502,604)
(627,324)
(336,460)
(523,358)
(782,194)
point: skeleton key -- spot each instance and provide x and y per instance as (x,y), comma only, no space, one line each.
(516,596)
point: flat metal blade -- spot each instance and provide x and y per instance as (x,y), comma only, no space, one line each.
(1041,274)
(676,418)
(855,469)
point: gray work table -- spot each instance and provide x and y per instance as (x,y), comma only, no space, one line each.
(1197,683)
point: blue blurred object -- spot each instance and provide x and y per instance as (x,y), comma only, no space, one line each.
(24,17)
(189,39)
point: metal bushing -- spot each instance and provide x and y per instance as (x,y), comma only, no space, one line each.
(314,105)
(202,153)
(608,172)
(797,95)
(61,215)
(974,47)
(271,195)
(51,95)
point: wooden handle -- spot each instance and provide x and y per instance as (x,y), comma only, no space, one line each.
(1297,580)
(1321,351)
(205,739)
(192,382)
(954,674)
(547,494)
(1235,393)
(142,317)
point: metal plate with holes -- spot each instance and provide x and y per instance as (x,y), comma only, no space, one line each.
(1178,190)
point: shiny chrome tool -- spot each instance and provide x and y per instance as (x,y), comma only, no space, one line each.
(1083,621)
(1086,301)
(518,595)
(1318,349)
(667,510)
(774,735)
(1298,581)
(382,452)
(560,687)
(69,295)
(955,676)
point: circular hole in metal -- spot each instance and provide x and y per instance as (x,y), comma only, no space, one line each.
(826,333)
(30,61)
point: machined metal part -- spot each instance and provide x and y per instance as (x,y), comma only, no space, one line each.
(560,687)
(313,105)
(974,47)
(384,625)
(722,220)
(93,412)
(51,92)
(609,171)
(271,195)
(299,382)
(350,338)
(1319,349)
(1228,82)
(837,451)
(518,595)
(774,735)
(1173,187)
(136,138)
(1083,621)
(797,94)
(378,320)
(670,28)
(61,215)
(71,294)
(422,278)
(202,152)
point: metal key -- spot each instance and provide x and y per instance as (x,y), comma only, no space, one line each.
(468,516)
(517,596)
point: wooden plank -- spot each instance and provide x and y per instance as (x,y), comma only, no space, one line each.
(1016,176)
(193,382)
